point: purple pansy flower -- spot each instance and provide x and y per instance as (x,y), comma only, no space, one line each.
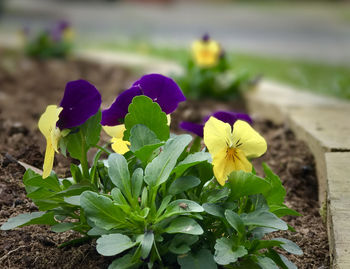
(225,116)
(58,29)
(81,100)
(159,88)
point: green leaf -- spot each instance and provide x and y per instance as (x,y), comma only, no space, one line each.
(242,184)
(29,219)
(280,260)
(159,170)
(144,111)
(75,145)
(276,194)
(235,221)
(146,153)
(125,262)
(181,206)
(216,195)
(166,200)
(203,259)
(118,171)
(140,136)
(289,246)
(62,227)
(146,244)
(283,210)
(266,263)
(263,218)
(92,129)
(182,184)
(113,244)
(181,243)
(226,252)
(76,172)
(119,199)
(101,210)
(184,225)
(50,183)
(75,189)
(136,182)
(73,200)
(214,209)
(191,160)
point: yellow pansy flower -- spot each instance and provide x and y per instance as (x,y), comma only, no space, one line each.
(206,52)
(231,149)
(117,132)
(47,126)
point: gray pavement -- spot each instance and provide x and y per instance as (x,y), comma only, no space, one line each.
(314,32)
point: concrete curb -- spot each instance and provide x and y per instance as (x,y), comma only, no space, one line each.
(321,122)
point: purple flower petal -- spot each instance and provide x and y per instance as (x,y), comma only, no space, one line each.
(159,88)
(206,37)
(118,110)
(81,100)
(225,116)
(192,127)
(230,117)
(162,90)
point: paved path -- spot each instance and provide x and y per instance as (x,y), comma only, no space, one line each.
(307,31)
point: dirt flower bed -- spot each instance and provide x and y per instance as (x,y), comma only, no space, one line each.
(28,86)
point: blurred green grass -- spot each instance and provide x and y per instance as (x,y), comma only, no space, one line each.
(320,78)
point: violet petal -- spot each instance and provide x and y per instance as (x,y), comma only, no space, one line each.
(230,117)
(118,110)
(162,90)
(192,127)
(80,101)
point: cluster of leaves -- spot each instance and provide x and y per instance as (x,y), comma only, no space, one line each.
(219,81)
(48,44)
(159,204)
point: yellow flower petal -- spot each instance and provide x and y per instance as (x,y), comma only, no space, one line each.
(48,160)
(223,166)
(206,53)
(248,140)
(119,145)
(168,117)
(217,135)
(116,131)
(227,161)
(47,126)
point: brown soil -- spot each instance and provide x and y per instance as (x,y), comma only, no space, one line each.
(27,87)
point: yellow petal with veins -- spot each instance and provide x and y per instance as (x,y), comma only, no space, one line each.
(248,140)
(47,126)
(217,135)
(119,145)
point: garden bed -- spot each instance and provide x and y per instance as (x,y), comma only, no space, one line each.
(28,86)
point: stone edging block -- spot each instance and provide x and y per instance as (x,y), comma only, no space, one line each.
(324,124)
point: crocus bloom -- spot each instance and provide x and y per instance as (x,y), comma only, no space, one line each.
(225,116)
(81,100)
(206,52)
(231,149)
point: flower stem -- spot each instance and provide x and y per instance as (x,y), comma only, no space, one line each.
(83,161)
